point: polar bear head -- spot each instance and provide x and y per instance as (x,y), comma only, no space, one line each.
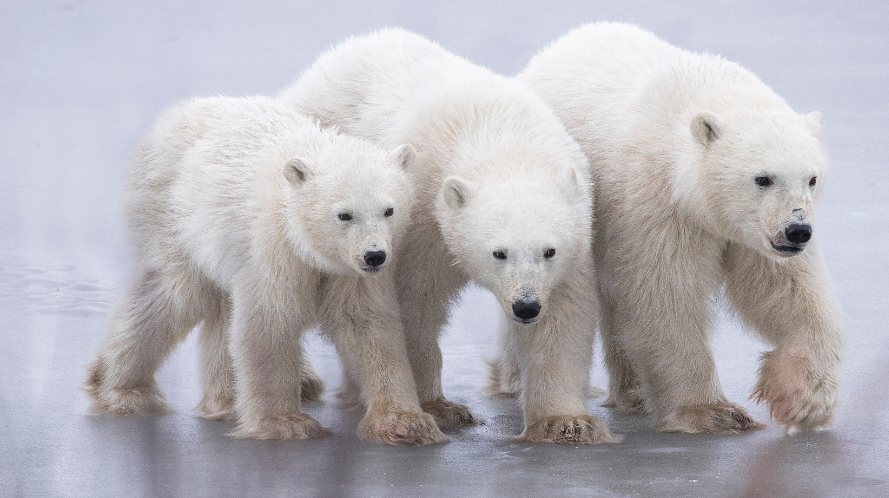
(762,173)
(516,238)
(348,202)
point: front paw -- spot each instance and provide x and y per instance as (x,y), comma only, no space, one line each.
(565,429)
(797,394)
(400,428)
(449,415)
(291,426)
(712,418)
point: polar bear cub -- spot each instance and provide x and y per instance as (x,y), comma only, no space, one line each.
(504,199)
(250,219)
(704,178)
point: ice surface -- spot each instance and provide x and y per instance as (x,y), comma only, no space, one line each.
(79,83)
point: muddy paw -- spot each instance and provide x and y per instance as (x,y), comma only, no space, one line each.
(796,394)
(627,402)
(449,415)
(292,426)
(216,408)
(401,428)
(713,418)
(565,429)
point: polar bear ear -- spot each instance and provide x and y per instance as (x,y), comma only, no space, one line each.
(706,127)
(570,181)
(297,171)
(456,192)
(404,155)
(816,122)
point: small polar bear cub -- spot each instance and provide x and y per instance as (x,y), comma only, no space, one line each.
(705,179)
(250,219)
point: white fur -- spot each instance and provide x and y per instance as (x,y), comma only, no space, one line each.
(496,171)
(676,142)
(234,207)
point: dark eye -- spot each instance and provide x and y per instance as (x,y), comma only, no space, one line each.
(499,255)
(763,181)
(549,253)
(344,216)
(813,181)
(389,212)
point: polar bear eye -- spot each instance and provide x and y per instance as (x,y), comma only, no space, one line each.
(812,181)
(763,181)
(344,216)
(389,212)
(499,255)
(549,253)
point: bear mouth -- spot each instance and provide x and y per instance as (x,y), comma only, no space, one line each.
(372,269)
(525,321)
(787,249)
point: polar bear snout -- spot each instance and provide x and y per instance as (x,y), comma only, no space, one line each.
(374,261)
(798,233)
(526,310)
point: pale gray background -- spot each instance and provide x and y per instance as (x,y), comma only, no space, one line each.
(80,82)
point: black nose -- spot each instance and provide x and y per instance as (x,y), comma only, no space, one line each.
(375,258)
(526,310)
(798,233)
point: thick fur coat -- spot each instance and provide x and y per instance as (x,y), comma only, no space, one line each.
(248,218)
(504,199)
(704,179)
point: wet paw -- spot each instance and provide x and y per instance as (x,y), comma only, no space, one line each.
(565,429)
(713,418)
(449,415)
(797,395)
(291,426)
(401,428)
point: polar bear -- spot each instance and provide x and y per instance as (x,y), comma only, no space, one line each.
(704,179)
(248,217)
(504,199)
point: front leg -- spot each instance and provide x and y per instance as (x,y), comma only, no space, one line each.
(793,306)
(555,357)
(361,316)
(266,354)
(427,283)
(661,321)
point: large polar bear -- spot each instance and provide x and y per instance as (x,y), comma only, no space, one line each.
(248,217)
(704,177)
(504,199)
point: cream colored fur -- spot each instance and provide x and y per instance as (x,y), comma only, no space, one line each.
(234,207)
(496,172)
(676,142)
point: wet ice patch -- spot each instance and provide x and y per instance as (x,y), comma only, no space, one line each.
(55,290)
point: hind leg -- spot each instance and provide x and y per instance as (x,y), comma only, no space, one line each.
(152,318)
(623,385)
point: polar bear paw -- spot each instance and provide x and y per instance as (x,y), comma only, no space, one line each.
(135,400)
(798,397)
(291,426)
(450,415)
(712,418)
(565,429)
(217,408)
(400,428)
